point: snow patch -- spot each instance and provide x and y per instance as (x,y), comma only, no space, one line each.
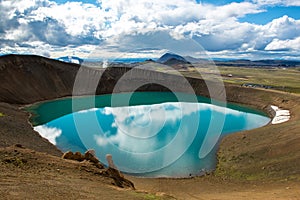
(281,116)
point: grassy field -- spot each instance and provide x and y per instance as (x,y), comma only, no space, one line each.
(287,80)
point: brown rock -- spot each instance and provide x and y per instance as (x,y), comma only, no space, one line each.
(19,146)
(73,156)
(116,175)
(68,155)
(110,161)
(78,156)
(119,179)
(90,156)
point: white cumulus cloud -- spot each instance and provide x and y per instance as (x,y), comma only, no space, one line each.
(277,44)
(116,26)
(50,133)
(277,2)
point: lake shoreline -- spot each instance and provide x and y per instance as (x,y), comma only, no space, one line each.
(141,126)
(247,161)
(222,175)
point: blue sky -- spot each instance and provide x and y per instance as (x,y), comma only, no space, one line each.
(272,13)
(83,1)
(217,2)
(252,29)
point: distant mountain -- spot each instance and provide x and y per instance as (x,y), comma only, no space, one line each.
(196,60)
(279,62)
(71,59)
(171,58)
(175,61)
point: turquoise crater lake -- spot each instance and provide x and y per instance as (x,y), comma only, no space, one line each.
(150,135)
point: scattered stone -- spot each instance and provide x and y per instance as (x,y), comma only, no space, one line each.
(19,146)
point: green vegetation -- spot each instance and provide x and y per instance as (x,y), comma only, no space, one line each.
(227,168)
(151,197)
(284,79)
(281,79)
(18,162)
(1,114)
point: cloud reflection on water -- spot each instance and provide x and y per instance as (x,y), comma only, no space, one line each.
(158,138)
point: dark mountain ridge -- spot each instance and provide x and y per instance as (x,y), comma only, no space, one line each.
(30,78)
(174,59)
(170,57)
(27,79)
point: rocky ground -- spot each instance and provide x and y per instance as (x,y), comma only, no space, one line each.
(256,164)
(28,174)
(32,168)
